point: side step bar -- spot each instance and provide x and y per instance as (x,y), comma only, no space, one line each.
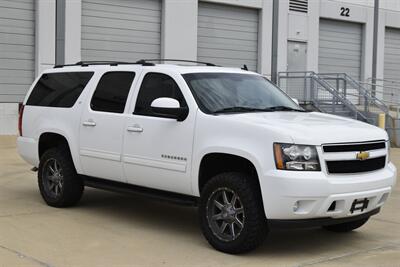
(125,188)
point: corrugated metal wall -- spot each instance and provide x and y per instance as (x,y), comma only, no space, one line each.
(391,70)
(121,30)
(340,47)
(228,35)
(17,49)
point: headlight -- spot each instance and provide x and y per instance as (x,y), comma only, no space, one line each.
(296,157)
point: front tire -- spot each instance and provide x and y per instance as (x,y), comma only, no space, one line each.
(231,213)
(59,184)
(346,227)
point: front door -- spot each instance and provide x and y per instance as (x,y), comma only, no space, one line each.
(102,126)
(157,151)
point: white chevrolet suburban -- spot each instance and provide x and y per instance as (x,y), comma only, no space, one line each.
(226,140)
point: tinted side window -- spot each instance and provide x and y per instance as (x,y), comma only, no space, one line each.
(112,91)
(59,89)
(156,85)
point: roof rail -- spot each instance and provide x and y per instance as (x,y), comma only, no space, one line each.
(95,62)
(146,61)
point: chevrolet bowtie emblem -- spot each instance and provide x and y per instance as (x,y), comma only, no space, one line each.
(362,155)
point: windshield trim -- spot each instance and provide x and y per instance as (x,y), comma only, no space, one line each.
(205,109)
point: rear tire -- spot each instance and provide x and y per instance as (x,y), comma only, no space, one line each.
(59,184)
(232,201)
(346,227)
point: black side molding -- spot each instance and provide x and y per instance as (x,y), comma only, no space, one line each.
(318,222)
(125,188)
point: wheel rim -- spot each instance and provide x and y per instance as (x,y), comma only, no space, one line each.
(53,179)
(225,214)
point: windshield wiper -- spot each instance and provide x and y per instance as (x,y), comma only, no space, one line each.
(250,109)
(283,108)
(237,109)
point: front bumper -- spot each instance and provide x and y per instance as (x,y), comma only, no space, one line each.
(292,195)
(318,222)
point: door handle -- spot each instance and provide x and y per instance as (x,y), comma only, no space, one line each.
(135,129)
(89,123)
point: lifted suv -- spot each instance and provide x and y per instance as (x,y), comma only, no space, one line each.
(226,140)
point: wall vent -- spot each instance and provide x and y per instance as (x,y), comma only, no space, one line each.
(298,5)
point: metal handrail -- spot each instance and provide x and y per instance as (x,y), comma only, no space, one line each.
(339,96)
(363,91)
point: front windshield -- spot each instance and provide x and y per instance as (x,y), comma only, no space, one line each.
(217,92)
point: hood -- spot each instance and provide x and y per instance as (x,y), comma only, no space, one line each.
(313,128)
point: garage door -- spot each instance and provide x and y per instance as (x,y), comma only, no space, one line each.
(392,64)
(228,35)
(340,47)
(17,49)
(121,30)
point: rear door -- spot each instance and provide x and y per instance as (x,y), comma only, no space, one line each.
(102,126)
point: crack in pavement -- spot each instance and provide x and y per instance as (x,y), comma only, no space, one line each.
(329,259)
(23,256)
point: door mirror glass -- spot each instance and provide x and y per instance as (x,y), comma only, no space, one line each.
(169,108)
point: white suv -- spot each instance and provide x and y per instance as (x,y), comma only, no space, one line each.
(226,140)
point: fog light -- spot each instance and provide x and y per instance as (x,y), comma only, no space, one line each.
(296,206)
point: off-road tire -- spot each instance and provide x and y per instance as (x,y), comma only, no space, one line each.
(72,188)
(346,227)
(255,227)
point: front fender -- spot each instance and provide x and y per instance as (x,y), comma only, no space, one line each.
(219,149)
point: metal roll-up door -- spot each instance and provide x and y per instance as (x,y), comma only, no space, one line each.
(17,49)
(391,72)
(121,30)
(228,35)
(340,47)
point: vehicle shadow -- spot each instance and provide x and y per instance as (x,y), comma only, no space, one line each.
(179,220)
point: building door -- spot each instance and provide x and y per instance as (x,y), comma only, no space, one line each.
(340,51)
(296,61)
(17,49)
(391,72)
(227,35)
(121,30)
(340,47)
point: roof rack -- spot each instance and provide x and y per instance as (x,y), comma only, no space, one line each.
(146,61)
(95,62)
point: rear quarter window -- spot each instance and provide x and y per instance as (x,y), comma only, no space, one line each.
(59,89)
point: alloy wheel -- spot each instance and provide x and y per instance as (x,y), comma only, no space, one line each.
(53,179)
(225,214)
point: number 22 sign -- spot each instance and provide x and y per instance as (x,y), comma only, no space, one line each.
(345,11)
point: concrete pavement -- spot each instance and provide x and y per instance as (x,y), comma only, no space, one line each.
(109,229)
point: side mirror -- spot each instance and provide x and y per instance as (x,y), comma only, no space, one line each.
(167,107)
(295,100)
